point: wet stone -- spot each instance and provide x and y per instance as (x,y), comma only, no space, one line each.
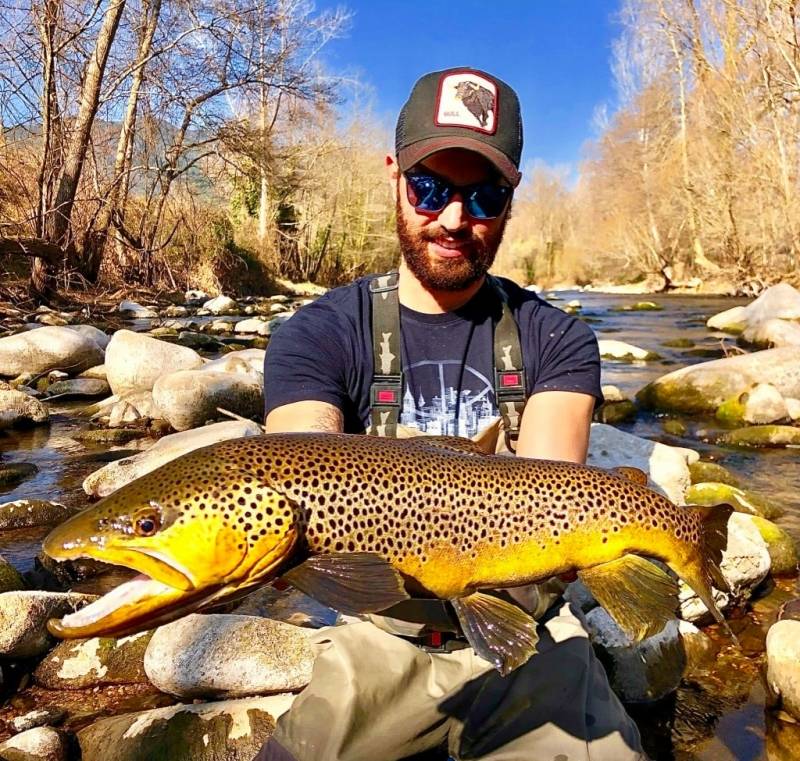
(38,744)
(16,472)
(23,513)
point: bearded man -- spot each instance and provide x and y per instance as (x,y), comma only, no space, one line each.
(444,348)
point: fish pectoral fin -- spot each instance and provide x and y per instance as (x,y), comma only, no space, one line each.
(630,473)
(498,631)
(638,595)
(350,582)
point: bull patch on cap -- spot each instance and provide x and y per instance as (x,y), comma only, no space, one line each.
(466,99)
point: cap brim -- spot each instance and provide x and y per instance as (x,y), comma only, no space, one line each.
(419,151)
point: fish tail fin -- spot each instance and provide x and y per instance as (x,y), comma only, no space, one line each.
(713,541)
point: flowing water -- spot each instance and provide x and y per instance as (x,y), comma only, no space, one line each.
(717,715)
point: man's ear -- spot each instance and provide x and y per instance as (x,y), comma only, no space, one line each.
(392,172)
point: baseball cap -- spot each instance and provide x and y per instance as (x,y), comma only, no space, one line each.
(461,108)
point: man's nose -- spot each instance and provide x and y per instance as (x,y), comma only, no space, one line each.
(453,217)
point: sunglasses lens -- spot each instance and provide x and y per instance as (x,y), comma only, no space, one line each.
(427,193)
(487,201)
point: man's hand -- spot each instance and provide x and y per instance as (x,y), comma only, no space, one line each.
(305,416)
(555,426)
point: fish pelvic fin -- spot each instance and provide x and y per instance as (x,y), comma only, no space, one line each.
(637,594)
(498,631)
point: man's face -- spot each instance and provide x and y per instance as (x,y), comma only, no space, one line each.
(449,250)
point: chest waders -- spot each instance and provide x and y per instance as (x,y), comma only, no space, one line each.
(386,392)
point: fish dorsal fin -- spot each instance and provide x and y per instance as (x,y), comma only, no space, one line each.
(498,631)
(640,597)
(451,443)
(488,438)
(630,474)
(350,582)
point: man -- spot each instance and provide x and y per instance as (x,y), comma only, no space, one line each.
(431,349)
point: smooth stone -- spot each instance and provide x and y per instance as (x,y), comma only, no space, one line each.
(743,501)
(667,467)
(253,325)
(781,546)
(110,477)
(94,334)
(615,412)
(621,350)
(23,619)
(764,404)
(176,311)
(230,730)
(37,744)
(98,372)
(16,472)
(613,394)
(134,362)
(46,348)
(38,718)
(20,410)
(78,388)
(220,326)
(163,331)
(221,305)
(301,289)
(52,319)
(772,333)
(771,316)
(10,579)
(793,408)
(130,406)
(275,323)
(195,298)
(732,320)
(638,672)
(702,471)
(762,436)
(639,306)
(190,398)
(783,664)
(78,664)
(278,298)
(704,387)
(678,343)
(215,656)
(674,427)
(135,310)
(195,340)
(23,513)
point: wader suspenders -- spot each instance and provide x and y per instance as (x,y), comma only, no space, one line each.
(386,392)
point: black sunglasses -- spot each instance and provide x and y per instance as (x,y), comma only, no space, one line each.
(429,193)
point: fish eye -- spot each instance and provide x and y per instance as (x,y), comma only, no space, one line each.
(146,522)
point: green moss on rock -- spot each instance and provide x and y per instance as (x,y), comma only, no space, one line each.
(781,546)
(616,412)
(702,471)
(762,436)
(731,411)
(678,343)
(674,427)
(743,501)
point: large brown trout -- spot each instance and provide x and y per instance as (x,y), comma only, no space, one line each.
(361,523)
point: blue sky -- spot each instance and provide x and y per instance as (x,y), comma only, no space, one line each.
(555,53)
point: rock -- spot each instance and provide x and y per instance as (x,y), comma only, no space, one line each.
(674,427)
(231,730)
(23,619)
(213,656)
(762,436)
(638,672)
(10,579)
(93,334)
(730,321)
(15,472)
(622,350)
(20,410)
(781,546)
(220,327)
(108,436)
(52,319)
(98,372)
(612,394)
(301,289)
(78,388)
(23,513)
(715,493)
(176,311)
(197,340)
(38,744)
(278,298)
(249,362)
(615,412)
(704,387)
(288,605)
(38,718)
(783,664)
(702,471)
(639,306)
(221,305)
(763,404)
(254,325)
(163,331)
(134,362)
(110,477)
(277,321)
(745,564)
(772,333)
(128,407)
(678,343)
(82,663)
(195,298)
(136,311)
(43,349)
(190,398)
(667,466)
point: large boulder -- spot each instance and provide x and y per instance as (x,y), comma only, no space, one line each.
(134,362)
(620,350)
(213,656)
(704,387)
(110,477)
(667,467)
(230,730)
(778,302)
(38,351)
(37,744)
(19,409)
(783,664)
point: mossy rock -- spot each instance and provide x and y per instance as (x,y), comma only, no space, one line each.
(731,411)
(108,435)
(781,546)
(670,396)
(674,427)
(616,412)
(15,472)
(762,436)
(678,343)
(703,472)
(10,579)
(715,493)
(639,306)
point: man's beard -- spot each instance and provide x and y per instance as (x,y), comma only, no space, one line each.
(444,274)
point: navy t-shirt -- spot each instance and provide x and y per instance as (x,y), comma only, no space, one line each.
(324,353)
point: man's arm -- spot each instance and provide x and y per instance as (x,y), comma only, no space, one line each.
(555,426)
(305,416)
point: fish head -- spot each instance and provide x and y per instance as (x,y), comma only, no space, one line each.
(199,529)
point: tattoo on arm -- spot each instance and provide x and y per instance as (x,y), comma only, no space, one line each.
(329,420)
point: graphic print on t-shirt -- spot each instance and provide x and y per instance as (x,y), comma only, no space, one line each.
(437,392)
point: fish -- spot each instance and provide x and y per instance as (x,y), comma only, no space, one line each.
(364,524)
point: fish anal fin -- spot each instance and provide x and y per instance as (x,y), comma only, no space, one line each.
(638,595)
(630,474)
(350,582)
(498,631)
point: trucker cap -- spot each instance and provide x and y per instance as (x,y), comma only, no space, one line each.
(461,108)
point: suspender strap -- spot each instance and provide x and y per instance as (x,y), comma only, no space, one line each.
(509,371)
(386,392)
